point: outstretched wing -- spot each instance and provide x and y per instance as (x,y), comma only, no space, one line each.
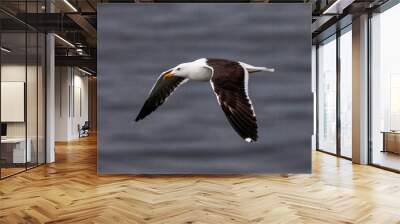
(159,93)
(229,83)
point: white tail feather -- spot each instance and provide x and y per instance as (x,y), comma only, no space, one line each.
(251,68)
(265,69)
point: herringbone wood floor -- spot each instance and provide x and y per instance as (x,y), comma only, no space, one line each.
(70,191)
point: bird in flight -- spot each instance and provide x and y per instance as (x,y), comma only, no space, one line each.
(229,81)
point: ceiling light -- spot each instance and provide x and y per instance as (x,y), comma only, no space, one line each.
(337,7)
(5,50)
(79,51)
(65,41)
(70,5)
(84,71)
(329,9)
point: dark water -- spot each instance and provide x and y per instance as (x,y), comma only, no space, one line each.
(189,133)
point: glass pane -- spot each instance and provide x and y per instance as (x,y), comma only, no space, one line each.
(22,89)
(31,100)
(386,89)
(327,96)
(13,86)
(346,94)
(31,88)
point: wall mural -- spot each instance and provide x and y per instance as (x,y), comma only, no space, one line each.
(204,88)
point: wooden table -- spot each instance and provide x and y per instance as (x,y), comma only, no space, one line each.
(391,141)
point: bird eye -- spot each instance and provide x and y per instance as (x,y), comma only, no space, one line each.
(178,69)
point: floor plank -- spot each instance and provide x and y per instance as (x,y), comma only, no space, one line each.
(70,191)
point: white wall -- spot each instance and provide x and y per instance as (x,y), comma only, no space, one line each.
(12,73)
(62,81)
(71,102)
(79,103)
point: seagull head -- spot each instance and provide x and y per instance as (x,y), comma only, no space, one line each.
(181,70)
(185,70)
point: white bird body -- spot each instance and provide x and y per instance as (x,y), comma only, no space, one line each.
(229,81)
(199,70)
(196,70)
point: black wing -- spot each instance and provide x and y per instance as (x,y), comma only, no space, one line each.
(229,82)
(159,93)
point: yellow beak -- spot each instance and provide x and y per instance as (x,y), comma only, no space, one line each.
(168,75)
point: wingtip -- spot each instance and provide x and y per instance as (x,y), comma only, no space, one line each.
(138,118)
(250,140)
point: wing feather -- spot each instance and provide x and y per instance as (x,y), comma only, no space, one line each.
(229,82)
(159,93)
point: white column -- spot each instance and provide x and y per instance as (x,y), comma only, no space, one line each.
(63,85)
(360,90)
(50,93)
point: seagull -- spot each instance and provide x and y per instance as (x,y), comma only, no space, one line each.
(229,81)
